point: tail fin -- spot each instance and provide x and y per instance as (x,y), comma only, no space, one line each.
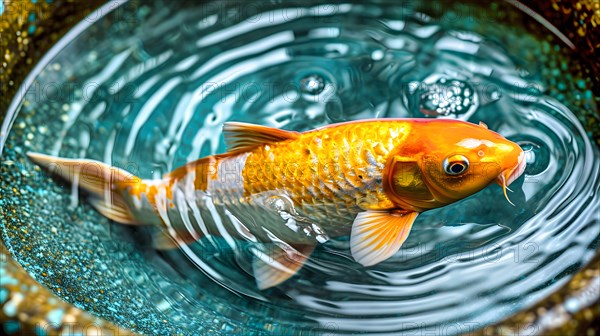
(100,180)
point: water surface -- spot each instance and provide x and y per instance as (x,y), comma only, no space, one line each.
(147,88)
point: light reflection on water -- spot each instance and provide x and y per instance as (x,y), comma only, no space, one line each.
(152,93)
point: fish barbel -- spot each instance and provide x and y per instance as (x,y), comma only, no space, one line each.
(365,179)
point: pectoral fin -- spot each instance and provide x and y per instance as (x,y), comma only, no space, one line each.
(278,264)
(377,235)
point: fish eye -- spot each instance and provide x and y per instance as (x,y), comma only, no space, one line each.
(455,164)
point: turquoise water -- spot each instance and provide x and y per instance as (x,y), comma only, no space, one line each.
(147,88)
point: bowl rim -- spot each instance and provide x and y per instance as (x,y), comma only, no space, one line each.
(108,7)
(42,63)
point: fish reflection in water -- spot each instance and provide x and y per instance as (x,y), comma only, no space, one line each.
(365,179)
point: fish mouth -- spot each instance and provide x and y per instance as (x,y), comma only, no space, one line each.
(508,176)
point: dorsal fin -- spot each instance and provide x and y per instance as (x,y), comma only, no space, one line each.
(242,136)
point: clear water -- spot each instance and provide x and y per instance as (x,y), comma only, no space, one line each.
(147,88)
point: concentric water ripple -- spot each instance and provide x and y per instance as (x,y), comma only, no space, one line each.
(152,92)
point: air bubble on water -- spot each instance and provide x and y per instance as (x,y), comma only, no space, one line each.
(377,55)
(537,157)
(312,84)
(529,156)
(495,95)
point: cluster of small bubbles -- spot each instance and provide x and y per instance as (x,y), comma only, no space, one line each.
(312,84)
(446,97)
(495,95)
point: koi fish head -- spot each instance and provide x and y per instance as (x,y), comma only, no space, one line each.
(447,160)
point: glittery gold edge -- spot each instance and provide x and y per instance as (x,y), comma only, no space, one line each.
(31,309)
(25,40)
(574,310)
(28,29)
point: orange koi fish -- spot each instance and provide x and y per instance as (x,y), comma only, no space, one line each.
(365,179)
